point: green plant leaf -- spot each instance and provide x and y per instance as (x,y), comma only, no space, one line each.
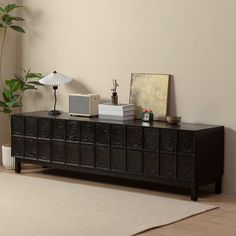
(18,18)
(9,19)
(7,95)
(2,10)
(11,7)
(28,86)
(12,104)
(2,104)
(13,85)
(17,28)
(1,25)
(4,96)
(7,110)
(35,83)
(34,76)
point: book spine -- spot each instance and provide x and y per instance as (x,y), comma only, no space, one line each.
(117,113)
(115,108)
(111,117)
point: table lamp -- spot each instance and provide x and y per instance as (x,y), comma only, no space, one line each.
(54,79)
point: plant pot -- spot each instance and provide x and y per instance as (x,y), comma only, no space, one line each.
(7,160)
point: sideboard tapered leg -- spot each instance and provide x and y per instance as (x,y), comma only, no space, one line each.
(218,185)
(194,192)
(17,165)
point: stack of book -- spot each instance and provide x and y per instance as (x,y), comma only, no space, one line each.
(116,112)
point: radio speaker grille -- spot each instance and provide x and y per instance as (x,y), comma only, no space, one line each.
(79,105)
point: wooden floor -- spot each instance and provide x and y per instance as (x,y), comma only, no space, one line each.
(219,222)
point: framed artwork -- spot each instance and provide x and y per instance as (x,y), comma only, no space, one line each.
(150,91)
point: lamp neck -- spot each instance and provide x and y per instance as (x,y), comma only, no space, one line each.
(55,87)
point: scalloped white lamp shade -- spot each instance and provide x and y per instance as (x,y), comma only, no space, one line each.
(55,79)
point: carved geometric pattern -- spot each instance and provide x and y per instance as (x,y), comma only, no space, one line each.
(151,139)
(118,160)
(134,137)
(17,125)
(168,140)
(87,155)
(102,133)
(168,165)
(72,130)
(44,128)
(118,135)
(58,152)
(44,150)
(31,127)
(87,132)
(58,129)
(103,157)
(185,167)
(134,161)
(17,146)
(185,142)
(150,163)
(72,153)
(30,148)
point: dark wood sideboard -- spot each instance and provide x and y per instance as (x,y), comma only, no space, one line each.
(185,155)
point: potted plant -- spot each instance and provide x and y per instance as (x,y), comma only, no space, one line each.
(13,90)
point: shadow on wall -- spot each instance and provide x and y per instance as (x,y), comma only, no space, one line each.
(76,87)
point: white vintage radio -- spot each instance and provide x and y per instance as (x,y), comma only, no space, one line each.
(84,104)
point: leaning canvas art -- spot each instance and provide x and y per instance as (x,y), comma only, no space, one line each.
(150,91)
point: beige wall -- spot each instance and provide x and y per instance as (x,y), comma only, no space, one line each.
(94,41)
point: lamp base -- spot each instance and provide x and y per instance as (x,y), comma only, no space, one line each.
(54,113)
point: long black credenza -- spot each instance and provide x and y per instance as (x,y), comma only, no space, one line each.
(185,155)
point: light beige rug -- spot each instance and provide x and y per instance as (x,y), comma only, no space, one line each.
(32,205)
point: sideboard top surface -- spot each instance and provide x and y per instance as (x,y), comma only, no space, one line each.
(154,124)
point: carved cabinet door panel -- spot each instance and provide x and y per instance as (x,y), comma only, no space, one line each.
(185,167)
(185,142)
(87,132)
(168,140)
(118,159)
(31,128)
(44,128)
(168,165)
(58,152)
(134,137)
(103,157)
(72,153)
(58,129)
(134,161)
(44,150)
(18,125)
(118,135)
(30,148)
(87,155)
(151,139)
(151,163)
(102,133)
(72,130)
(17,146)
